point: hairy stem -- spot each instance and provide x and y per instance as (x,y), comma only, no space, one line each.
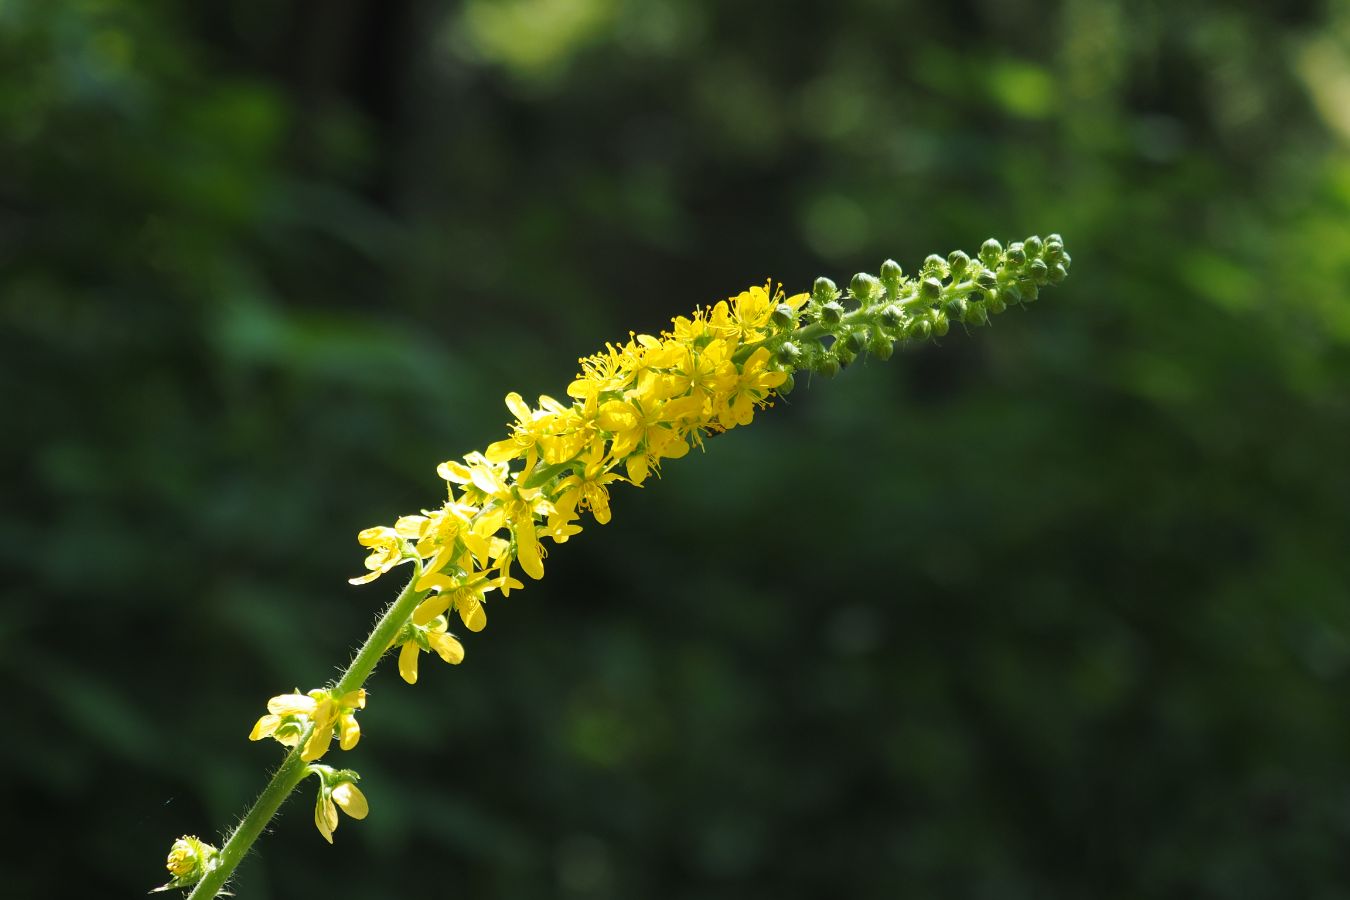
(293,768)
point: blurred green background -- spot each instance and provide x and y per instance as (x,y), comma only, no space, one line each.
(1060,609)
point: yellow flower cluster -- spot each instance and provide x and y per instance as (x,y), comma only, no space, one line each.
(632,406)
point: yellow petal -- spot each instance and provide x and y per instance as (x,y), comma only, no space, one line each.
(447,647)
(318,743)
(349,731)
(430,608)
(353,699)
(264,727)
(472,613)
(501,451)
(291,705)
(353,802)
(325,817)
(407,662)
(527,550)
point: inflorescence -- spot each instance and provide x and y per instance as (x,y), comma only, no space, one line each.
(632,406)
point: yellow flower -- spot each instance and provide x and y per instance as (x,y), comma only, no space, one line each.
(587,489)
(386,551)
(752,388)
(344,795)
(431,637)
(289,714)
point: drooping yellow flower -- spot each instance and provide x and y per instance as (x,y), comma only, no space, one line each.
(344,795)
(432,637)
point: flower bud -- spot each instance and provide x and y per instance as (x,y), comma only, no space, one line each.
(934,266)
(957,263)
(996,303)
(786,387)
(891,316)
(1058,273)
(865,287)
(1033,246)
(824,290)
(1016,254)
(1029,290)
(891,273)
(880,346)
(975,314)
(855,341)
(930,289)
(783,316)
(1038,271)
(956,308)
(940,324)
(790,355)
(190,858)
(990,251)
(920,328)
(1054,252)
(1010,293)
(831,313)
(826,365)
(987,280)
(844,353)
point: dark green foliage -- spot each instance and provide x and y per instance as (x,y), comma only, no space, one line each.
(1059,609)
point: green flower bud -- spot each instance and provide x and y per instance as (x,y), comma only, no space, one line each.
(1010,293)
(855,341)
(920,328)
(1029,290)
(844,353)
(987,280)
(826,365)
(1053,237)
(957,263)
(940,324)
(891,273)
(880,346)
(831,313)
(1038,271)
(956,308)
(1065,260)
(1058,273)
(1034,246)
(975,314)
(1053,252)
(934,265)
(788,384)
(864,287)
(790,355)
(783,316)
(930,289)
(995,303)
(824,290)
(891,316)
(1016,254)
(990,251)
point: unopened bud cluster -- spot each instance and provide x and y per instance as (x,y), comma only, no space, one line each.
(878,310)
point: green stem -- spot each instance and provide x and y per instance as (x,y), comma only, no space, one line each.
(293,768)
